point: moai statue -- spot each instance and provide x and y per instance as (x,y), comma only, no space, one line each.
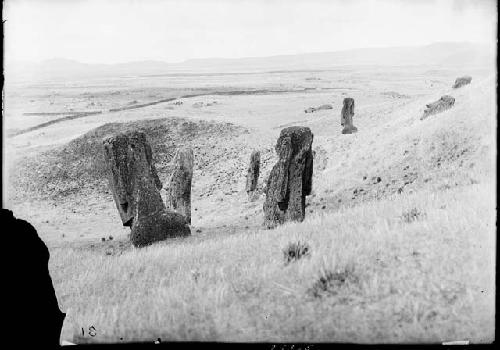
(346,116)
(253,173)
(444,103)
(461,81)
(135,186)
(179,184)
(290,180)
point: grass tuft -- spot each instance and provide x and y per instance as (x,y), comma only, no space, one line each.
(330,282)
(412,215)
(295,251)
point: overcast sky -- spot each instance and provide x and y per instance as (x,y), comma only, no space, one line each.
(111,31)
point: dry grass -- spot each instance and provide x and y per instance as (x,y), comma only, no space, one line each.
(431,280)
(400,233)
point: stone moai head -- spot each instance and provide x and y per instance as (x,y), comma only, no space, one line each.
(179,184)
(131,173)
(346,116)
(347,110)
(291,177)
(253,172)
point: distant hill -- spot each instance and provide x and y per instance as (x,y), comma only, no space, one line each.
(440,54)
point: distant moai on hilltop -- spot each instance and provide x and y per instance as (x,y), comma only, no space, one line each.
(444,103)
(461,81)
(253,173)
(179,185)
(346,116)
(135,186)
(290,180)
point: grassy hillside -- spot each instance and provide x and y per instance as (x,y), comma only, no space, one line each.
(78,169)
(411,258)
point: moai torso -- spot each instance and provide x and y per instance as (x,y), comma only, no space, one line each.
(253,172)
(135,186)
(179,185)
(346,116)
(291,177)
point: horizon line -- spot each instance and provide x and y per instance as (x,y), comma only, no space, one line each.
(241,57)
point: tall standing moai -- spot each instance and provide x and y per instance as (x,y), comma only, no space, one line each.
(290,180)
(179,184)
(136,190)
(253,173)
(346,116)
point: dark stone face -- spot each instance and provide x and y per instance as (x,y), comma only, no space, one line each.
(347,110)
(179,185)
(291,177)
(347,114)
(129,158)
(253,172)
(135,186)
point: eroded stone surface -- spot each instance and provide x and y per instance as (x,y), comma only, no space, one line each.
(253,173)
(444,103)
(179,185)
(346,116)
(135,186)
(290,180)
(461,81)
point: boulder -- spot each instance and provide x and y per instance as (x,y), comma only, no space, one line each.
(179,185)
(253,172)
(290,180)
(314,109)
(135,186)
(444,103)
(461,81)
(346,116)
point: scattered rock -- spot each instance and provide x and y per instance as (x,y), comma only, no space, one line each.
(444,103)
(290,179)
(179,186)
(376,179)
(346,116)
(461,81)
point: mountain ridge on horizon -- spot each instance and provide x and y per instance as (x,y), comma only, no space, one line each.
(437,53)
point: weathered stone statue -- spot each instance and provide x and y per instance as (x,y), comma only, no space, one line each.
(346,116)
(444,103)
(253,173)
(135,186)
(290,180)
(179,184)
(461,81)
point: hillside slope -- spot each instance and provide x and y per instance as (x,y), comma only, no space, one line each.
(410,258)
